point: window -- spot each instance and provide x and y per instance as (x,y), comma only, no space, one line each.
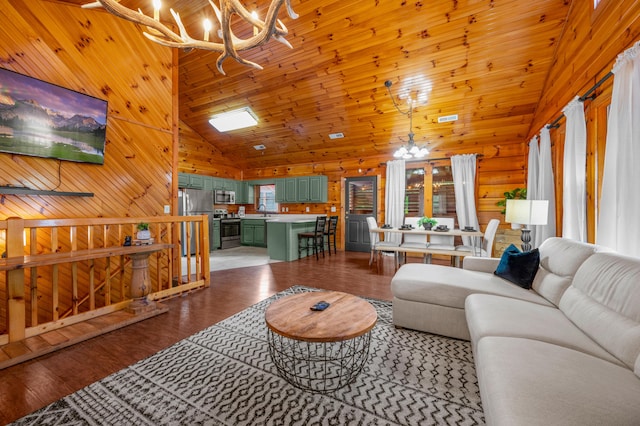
(267,198)
(414,193)
(444,199)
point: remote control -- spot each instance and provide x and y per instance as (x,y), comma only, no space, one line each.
(320,306)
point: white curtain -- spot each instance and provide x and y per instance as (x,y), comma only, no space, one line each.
(618,224)
(546,189)
(394,198)
(574,193)
(533,170)
(463,168)
(533,166)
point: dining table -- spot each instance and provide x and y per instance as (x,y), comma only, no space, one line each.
(476,235)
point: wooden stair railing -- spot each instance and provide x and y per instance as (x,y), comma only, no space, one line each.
(48,263)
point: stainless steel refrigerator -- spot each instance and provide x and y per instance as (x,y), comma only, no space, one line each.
(194,202)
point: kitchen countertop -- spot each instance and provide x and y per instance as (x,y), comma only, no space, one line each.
(285,218)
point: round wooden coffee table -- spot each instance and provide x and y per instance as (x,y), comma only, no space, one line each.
(320,351)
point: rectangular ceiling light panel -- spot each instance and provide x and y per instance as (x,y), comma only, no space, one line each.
(447,118)
(233,120)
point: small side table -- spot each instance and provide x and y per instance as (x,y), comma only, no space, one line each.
(320,351)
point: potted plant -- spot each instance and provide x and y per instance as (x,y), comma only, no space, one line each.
(143,231)
(517,193)
(427,222)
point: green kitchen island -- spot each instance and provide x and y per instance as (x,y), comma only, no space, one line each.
(282,235)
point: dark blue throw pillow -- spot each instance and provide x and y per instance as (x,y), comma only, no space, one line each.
(518,267)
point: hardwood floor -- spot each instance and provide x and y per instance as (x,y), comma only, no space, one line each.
(31,385)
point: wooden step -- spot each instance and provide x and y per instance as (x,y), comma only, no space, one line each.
(33,347)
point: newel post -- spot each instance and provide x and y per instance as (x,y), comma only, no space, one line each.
(16,315)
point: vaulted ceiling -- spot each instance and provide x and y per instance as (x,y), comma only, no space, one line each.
(485,60)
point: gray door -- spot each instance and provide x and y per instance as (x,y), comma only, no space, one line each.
(360,203)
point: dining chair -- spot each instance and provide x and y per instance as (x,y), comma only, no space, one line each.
(486,248)
(313,240)
(378,246)
(330,233)
(442,242)
(414,241)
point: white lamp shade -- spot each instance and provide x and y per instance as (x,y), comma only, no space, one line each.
(527,212)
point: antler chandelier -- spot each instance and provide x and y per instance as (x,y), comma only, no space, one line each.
(230,46)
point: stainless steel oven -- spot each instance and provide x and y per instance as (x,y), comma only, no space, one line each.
(229,233)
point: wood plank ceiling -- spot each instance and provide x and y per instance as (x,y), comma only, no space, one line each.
(485,60)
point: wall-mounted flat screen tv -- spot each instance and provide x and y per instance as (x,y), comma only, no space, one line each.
(44,120)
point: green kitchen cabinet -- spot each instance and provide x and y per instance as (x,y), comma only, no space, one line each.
(187,180)
(183,180)
(281,190)
(244,193)
(209,183)
(196,182)
(318,189)
(253,233)
(229,185)
(303,189)
(215,243)
(291,190)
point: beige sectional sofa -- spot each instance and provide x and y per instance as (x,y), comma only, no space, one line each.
(566,352)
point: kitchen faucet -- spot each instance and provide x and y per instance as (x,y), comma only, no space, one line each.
(263,208)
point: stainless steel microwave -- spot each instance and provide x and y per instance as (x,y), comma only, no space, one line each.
(224,197)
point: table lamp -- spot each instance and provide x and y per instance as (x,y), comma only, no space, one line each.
(527,212)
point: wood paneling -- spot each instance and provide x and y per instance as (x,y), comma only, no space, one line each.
(486,61)
(587,51)
(100,55)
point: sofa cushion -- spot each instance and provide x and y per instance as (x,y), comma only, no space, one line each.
(447,286)
(560,258)
(518,267)
(529,382)
(604,301)
(489,315)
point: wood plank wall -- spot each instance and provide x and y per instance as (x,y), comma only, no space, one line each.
(92,52)
(591,42)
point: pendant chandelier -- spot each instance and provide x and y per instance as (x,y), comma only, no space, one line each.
(156,31)
(410,150)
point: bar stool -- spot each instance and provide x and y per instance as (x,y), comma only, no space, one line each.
(332,226)
(314,240)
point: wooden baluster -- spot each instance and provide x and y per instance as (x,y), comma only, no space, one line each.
(16,316)
(178,254)
(169,240)
(55,274)
(107,267)
(33,277)
(73,236)
(123,292)
(188,250)
(206,244)
(92,284)
(198,238)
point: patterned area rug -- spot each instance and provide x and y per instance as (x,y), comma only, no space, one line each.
(223,375)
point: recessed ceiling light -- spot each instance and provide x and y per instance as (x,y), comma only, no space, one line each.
(233,120)
(259,147)
(336,135)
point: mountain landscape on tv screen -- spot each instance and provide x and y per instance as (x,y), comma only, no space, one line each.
(28,128)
